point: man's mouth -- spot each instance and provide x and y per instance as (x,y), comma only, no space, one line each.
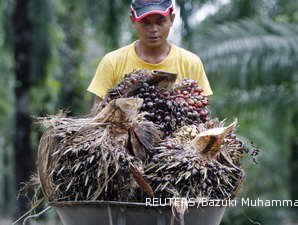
(153,38)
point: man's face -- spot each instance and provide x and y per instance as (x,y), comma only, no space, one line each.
(154,29)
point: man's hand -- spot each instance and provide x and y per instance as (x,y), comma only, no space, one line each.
(95,107)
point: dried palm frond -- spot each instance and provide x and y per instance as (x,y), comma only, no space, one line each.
(79,159)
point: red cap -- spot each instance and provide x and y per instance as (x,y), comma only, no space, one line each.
(143,8)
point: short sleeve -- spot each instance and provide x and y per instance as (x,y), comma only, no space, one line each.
(201,77)
(103,79)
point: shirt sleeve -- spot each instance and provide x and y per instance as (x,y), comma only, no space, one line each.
(103,79)
(201,77)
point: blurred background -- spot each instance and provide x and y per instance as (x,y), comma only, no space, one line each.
(49,51)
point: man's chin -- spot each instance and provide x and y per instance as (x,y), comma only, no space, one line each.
(154,44)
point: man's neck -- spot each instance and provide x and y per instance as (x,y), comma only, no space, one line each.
(152,55)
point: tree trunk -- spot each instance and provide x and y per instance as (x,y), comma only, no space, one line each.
(185,13)
(22,43)
(72,93)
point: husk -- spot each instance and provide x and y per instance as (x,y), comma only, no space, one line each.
(108,134)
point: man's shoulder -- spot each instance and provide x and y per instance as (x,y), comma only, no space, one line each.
(119,53)
(187,55)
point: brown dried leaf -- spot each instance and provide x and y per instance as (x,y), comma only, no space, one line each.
(136,147)
(137,175)
(208,142)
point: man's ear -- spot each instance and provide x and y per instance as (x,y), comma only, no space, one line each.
(132,19)
(172,17)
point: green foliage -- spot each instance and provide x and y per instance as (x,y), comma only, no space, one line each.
(250,59)
(249,49)
(6,118)
(41,17)
(107,17)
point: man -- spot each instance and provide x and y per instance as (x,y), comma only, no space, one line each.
(152,20)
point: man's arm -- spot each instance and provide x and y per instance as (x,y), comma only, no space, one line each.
(95,107)
(198,74)
(103,79)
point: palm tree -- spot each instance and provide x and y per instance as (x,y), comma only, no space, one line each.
(6,119)
(111,20)
(30,22)
(252,66)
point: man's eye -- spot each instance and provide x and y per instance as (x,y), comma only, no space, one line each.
(158,22)
(144,22)
(161,21)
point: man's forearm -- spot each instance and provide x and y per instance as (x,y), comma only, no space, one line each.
(95,107)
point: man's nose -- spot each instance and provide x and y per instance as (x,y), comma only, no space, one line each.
(153,28)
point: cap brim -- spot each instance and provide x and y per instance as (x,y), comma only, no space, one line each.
(163,10)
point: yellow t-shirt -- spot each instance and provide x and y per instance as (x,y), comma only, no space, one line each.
(116,64)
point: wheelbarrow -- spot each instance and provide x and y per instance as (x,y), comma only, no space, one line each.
(127,213)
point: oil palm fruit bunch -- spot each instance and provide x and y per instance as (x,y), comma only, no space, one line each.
(120,153)
(167,105)
(90,175)
(96,158)
(187,133)
(189,94)
(129,84)
(204,166)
